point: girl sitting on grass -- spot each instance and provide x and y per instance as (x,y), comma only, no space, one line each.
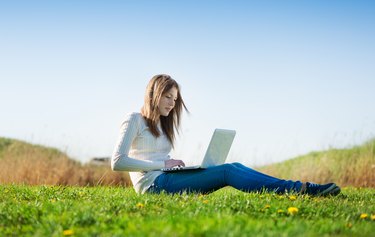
(146,138)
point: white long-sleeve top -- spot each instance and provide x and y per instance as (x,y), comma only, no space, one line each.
(140,152)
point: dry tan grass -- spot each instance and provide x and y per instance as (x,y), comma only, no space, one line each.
(22,163)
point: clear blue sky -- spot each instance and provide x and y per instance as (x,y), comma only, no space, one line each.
(290,76)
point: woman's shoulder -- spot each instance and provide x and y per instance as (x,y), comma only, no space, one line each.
(133,117)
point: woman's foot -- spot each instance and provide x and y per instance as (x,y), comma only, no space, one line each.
(320,189)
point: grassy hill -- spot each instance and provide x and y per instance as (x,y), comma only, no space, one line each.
(348,167)
(26,163)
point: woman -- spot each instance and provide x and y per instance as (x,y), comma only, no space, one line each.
(146,139)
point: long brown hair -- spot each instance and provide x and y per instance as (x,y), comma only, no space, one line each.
(156,88)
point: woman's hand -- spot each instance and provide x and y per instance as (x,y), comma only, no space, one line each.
(172,163)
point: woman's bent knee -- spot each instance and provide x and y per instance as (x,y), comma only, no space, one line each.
(227,166)
(237,164)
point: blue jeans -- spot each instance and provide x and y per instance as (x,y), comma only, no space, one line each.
(211,179)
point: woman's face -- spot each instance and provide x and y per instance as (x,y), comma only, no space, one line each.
(167,101)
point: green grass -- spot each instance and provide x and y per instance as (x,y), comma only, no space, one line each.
(117,211)
(352,166)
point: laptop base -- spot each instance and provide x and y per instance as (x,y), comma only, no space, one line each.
(177,169)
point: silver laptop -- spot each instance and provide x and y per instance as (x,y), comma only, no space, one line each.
(216,153)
